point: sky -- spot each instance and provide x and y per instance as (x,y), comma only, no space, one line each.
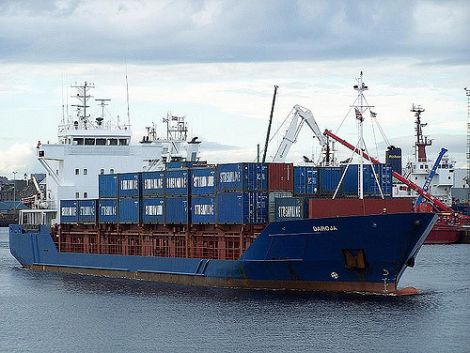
(216,62)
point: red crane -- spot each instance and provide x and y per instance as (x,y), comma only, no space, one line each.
(438,204)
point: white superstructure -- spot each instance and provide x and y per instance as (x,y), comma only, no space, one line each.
(87,148)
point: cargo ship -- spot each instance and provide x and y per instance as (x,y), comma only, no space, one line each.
(210,226)
(180,220)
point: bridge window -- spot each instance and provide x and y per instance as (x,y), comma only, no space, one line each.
(85,195)
(123,142)
(89,142)
(77,171)
(78,141)
(85,171)
(100,142)
(112,142)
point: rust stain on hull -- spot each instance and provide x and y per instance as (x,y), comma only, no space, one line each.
(203,281)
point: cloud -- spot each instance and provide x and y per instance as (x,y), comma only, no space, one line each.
(18,157)
(232,31)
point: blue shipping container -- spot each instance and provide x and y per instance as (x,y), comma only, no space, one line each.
(351,180)
(87,211)
(203,181)
(129,184)
(203,210)
(177,182)
(242,177)
(108,185)
(328,180)
(384,175)
(176,210)
(153,210)
(68,211)
(153,183)
(242,208)
(290,208)
(305,180)
(107,211)
(128,211)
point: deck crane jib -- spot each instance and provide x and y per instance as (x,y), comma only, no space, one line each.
(297,117)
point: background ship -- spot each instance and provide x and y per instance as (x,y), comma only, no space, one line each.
(437,178)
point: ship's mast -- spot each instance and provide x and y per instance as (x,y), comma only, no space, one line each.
(360,108)
(421,141)
(82,97)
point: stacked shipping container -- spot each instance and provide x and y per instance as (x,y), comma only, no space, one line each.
(371,189)
(305,181)
(108,199)
(242,193)
(129,195)
(280,185)
(153,197)
(177,196)
(204,195)
(235,193)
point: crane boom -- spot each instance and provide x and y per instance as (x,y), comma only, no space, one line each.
(299,116)
(428,180)
(270,123)
(441,206)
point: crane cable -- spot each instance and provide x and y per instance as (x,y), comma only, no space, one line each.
(387,141)
(375,139)
(349,111)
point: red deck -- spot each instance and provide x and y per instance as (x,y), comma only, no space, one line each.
(209,241)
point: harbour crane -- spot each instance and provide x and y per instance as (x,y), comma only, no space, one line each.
(299,116)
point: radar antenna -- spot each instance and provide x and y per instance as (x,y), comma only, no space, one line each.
(102,102)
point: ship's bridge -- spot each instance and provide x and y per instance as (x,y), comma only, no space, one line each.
(72,134)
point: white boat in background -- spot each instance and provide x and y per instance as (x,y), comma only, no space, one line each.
(418,169)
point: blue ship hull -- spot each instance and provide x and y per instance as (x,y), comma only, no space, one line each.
(360,253)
